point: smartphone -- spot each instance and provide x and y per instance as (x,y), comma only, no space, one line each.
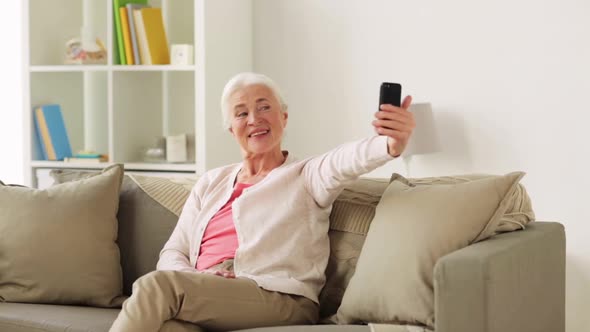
(390,93)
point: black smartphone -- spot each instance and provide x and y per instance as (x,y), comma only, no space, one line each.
(390,93)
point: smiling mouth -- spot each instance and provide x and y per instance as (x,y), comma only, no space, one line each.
(259,133)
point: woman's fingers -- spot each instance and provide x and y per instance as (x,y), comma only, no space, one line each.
(407,102)
(393,124)
(400,117)
(404,106)
(389,112)
(397,123)
(390,115)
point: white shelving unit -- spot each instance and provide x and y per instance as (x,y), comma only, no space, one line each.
(121,110)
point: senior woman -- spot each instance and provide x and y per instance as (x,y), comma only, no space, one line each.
(251,244)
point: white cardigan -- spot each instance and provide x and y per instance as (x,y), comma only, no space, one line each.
(281,222)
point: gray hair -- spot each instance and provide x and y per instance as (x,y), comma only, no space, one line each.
(241,81)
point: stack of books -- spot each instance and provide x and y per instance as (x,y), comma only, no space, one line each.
(87,157)
(141,37)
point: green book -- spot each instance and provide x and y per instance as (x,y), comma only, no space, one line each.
(120,49)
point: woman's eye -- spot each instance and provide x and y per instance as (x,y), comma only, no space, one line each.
(264,108)
(242,114)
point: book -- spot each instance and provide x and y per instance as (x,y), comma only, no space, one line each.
(119,50)
(134,42)
(51,129)
(38,150)
(126,36)
(93,160)
(87,154)
(153,24)
(144,53)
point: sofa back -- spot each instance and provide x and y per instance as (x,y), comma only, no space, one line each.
(149,208)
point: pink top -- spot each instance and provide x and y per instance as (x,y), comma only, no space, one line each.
(220,240)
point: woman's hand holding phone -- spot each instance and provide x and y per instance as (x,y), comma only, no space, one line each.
(396,122)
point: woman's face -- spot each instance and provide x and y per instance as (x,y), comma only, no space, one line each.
(257,122)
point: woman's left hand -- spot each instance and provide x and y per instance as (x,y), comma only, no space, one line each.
(397,123)
(225,274)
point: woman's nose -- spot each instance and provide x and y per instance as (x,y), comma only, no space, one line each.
(253,118)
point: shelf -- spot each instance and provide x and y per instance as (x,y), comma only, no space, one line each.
(87,68)
(68,68)
(152,68)
(128,166)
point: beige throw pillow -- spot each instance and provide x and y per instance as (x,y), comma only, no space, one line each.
(413,227)
(148,211)
(58,244)
(518,213)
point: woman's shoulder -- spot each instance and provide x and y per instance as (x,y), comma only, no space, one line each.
(215,176)
(222,170)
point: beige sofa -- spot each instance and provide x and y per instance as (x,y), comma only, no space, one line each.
(514,281)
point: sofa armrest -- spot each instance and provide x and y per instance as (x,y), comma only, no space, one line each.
(511,282)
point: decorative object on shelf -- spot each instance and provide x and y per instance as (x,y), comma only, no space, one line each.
(176,151)
(181,54)
(85,50)
(157,152)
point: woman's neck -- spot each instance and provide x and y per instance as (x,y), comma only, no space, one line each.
(256,167)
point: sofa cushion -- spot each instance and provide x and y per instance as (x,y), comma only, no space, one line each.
(313,328)
(24,317)
(58,244)
(350,218)
(148,212)
(149,209)
(340,328)
(519,211)
(412,228)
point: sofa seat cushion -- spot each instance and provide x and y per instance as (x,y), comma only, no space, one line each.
(342,328)
(24,317)
(312,328)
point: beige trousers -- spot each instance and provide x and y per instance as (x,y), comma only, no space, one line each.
(212,302)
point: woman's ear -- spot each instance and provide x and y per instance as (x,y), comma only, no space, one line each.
(285,117)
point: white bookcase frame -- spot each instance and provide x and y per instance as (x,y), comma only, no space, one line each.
(120,108)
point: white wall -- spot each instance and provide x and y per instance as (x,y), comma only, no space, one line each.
(11,149)
(508,81)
